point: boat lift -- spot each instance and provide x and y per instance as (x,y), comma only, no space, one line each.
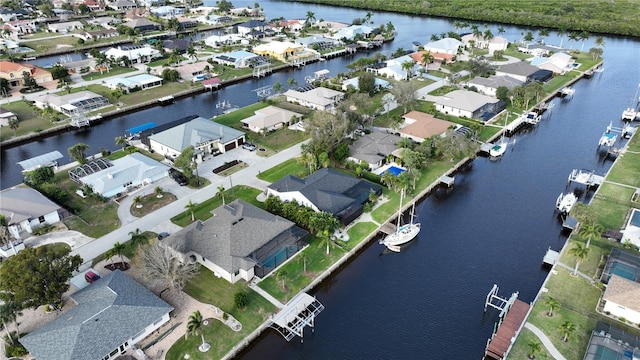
(298,313)
(585,177)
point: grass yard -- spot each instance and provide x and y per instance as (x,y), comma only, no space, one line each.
(203,209)
(626,170)
(30,120)
(233,118)
(115,70)
(207,288)
(611,204)
(46,45)
(357,233)
(130,250)
(151,203)
(558,82)
(293,167)
(521,348)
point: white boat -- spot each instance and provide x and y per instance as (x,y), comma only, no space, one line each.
(565,202)
(607,139)
(533,117)
(501,146)
(403,233)
(629,114)
(567,91)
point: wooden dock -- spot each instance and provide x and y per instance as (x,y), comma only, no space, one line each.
(502,340)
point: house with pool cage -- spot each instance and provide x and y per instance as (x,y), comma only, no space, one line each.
(239,241)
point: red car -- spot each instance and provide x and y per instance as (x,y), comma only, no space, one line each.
(90,276)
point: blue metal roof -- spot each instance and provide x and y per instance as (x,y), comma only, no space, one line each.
(141,128)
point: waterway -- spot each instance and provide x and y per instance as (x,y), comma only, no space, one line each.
(493,227)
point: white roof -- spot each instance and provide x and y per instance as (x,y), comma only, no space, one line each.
(277,47)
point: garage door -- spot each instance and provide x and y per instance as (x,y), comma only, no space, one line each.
(230,146)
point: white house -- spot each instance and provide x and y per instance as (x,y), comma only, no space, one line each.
(490,85)
(65,27)
(465,103)
(26,209)
(82,101)
(492,44)
(353,82)
(139,82)
(251,26)
(88,330)
(317,98)
(621,299)
(559,63)
(6,116)
(135,53)
(269,119)
(167,11)
(394,68)
(445,46)
(193,72)
(125,174)
(226,39)
(350,32)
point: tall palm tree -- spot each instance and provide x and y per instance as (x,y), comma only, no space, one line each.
(221,192)
(562,31)
(408,67)
(553,304)
(427,59)
(534,347)
(304,258)
(281,274)
(118,248)
(567,328)
(501,30)
(14,124)
(591,232)
(599,41)
(543,33)
(573,37)
(292,82)
(191,206)
(583,36)
(9,312)
(136,237)
(581,253)
(194,326)
(310,17)
(326,237)
(121,141)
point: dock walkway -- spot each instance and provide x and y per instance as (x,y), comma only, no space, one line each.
(501,341)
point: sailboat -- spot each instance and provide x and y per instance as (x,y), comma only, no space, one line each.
(630,113)
(403,233)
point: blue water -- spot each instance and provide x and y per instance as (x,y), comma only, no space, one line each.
(276,259)
(623,270)
(635,218)
(395,171)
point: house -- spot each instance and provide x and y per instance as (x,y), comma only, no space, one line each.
(7,14)
(373,148)
(621,299)
(285,51)
(270,118)
(175,45)
(69,104)
(395,68)
(465,103)
(239,241)
(6,116)
(632,229)
(521,70)
(226,39)
(137,82)
(444,46)
(143,25)
(353,31)
(107,22)
(121,175)
(135,53)
(490,85)
(79,65)
(136,13)
(539,49)
(14,73)
(317,42)
(237,59)
(94,5)
(291,25)
(439,58)
(152,3)
(419,126)
(319,98)
(330,25)
(167,11)
(492,44)
(206,136)
(194,72)
(250,26)
(353,82)
(9,46)
(123,5)
(186,23)
(99,34)
(25,209)
(88,330)
(559,63)
(327,190)
(21,27)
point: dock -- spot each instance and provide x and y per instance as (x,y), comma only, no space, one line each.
(569,223)
(508,329)
(550,257)
(297,314)
(585,177)
(447,180)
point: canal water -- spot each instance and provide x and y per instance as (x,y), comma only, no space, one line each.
(494,226)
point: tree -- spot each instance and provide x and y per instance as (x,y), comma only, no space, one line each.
(281,275)
(599,41)
(14,124)
(367,82)
(240,299)
(304,258)
(37,276)
(528,37)
(553,304)
(28,80)
(567,328)
(40,175)
(595,52)
(310,18)
(121,141)
(404,93)
(292,82)
(158,191)
(191,207)
(184,161)
(543,33)
(84,9)
(573,36)
(583,36)
(194,326)
(501,30)
(562,31)
(136,237)
(170,75)
(137,200)
(59,72)
(9,312)
(221,193)
(118,249)
(327,238)
(191,52)
(277,87)
(5,87)
(327,131)
(161,265)
(426,59)
(79,152)
(581,253)
(408,67)
(534,347)
(591,232)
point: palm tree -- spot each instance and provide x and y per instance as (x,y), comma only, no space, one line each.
(311,17)
(221,192)
(158,191)
(583,36)
(121,141)
(194,326)
(599,41)
(327,238)
(543,33)
(581,253)
(9,312)
(14,124)
(118,248)
(591,232)
(408,67)
(137,200)
(304,258)
(78,152)
(136,237)
(281,274)
(573,37)
(292,82)
(427,59)
(553,304)
(501,30)
(567,328)
(534,347)
(277,87)
(191,207)
(562,31)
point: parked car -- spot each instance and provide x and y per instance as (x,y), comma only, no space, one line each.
(91,277)
(249,146)
(178,177)
(163,235)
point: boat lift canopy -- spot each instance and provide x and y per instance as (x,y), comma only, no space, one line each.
(39,161)
(140,128)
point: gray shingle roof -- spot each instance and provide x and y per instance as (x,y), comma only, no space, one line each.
(19,204)
(521,68)
(374,147)
(109,312)
(495,81)
(194,132)
(229,237)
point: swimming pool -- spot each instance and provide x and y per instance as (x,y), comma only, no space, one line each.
(623,270)
(395,171)
(635,218)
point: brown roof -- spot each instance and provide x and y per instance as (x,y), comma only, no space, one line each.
(507,330)
(6,66)
(424,125)
(623,292)
(417,56)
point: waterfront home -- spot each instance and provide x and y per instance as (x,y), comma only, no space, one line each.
(285,51)
(521,71)
(269,119)
(110,178)
(78,65)
(239,241)
(330,25)
(445,46)
(419,126)
(142,25)
(632,229)
(350,32)
(294,25)
(490,85)
(25,209)
(9,46)
(373,148)
(226,39)
(327,190)
(152,3)
(6,116)
(99,34)
(394,68)
(539,49)
(319,98)
(107,22)
(317,42)
(13,72)
(136,82)
(379,84)
(621,299)
(465,103)
(439,58)
(193,72)
(70,104)
(20,27)
(136,13)
(492,44)
(7,14)
(137,54)
(251,26)
(108,317)
(94,5)
(237,59)
(559,63)
(167,11)
(206,136)
(122,5)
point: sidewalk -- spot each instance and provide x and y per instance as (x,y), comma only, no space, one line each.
(545,341)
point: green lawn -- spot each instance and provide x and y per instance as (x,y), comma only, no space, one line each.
(233,118)
(611,204)
(137,97)
(130,250)
(626,170)
(293,167)
(207,288)
(115,70)
(203,209)
(30,120)
(521,348)
(357,233)
(46,45)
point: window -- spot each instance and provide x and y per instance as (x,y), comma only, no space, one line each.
(41,219)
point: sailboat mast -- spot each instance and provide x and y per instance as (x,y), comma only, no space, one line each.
(400,209)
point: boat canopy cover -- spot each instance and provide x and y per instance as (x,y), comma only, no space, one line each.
(141,128)
(38,161)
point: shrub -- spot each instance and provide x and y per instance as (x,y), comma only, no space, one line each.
(42,229)
(225,316)
(240,299)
